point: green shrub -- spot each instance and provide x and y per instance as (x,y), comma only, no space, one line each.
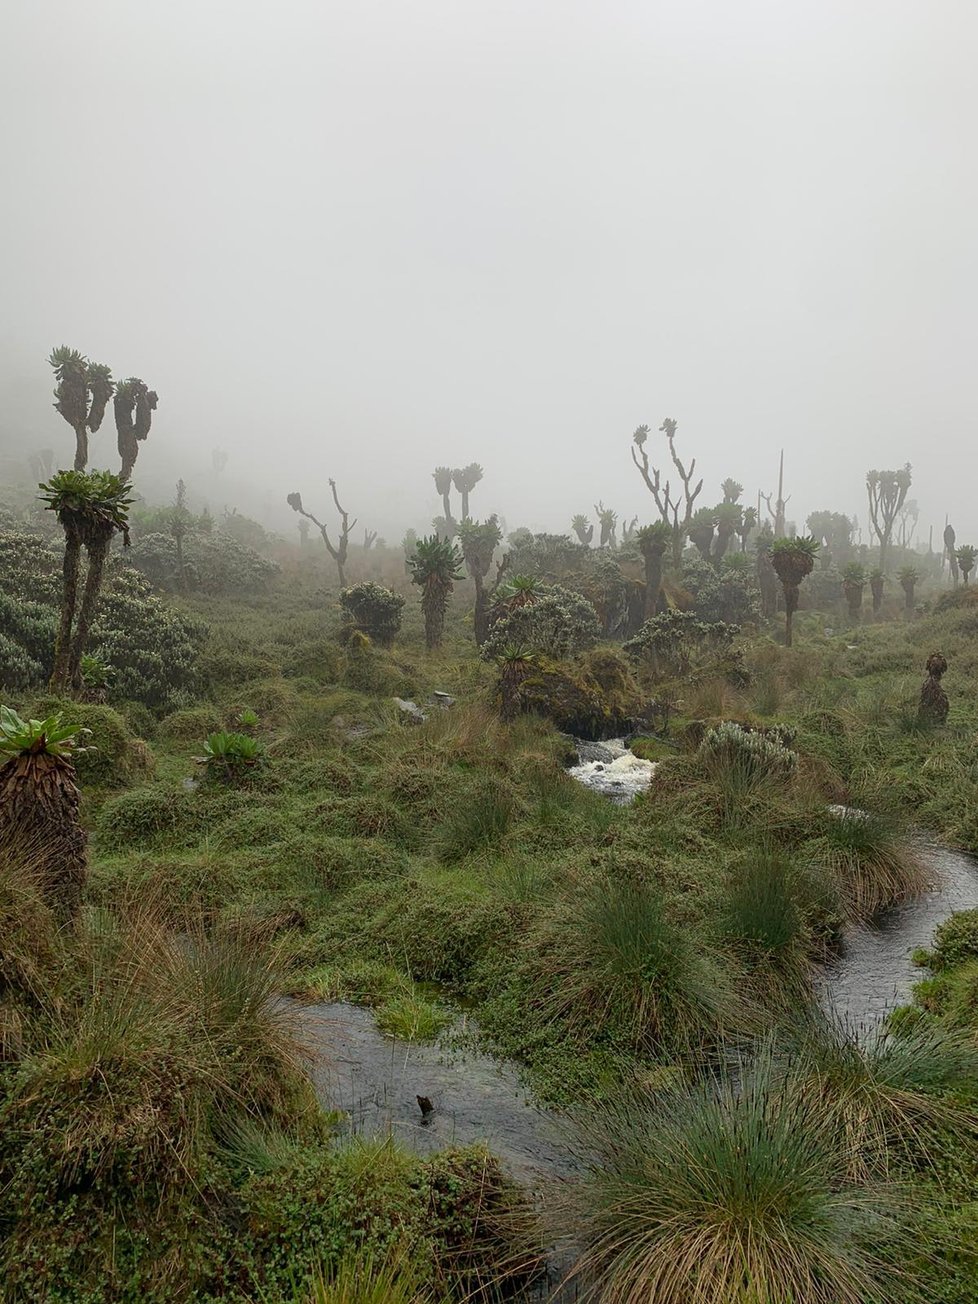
(152,649)
(677,642)
(142,815)
(373,610)
(189,724)
(560,624)
(751,752)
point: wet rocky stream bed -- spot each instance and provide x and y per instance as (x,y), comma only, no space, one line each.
(375,1080)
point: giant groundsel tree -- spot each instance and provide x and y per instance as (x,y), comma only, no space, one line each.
(886,491)
(81,395)
(91,507)
(435,565)
(133,407)
(479,542)
(792,560)
(675,508)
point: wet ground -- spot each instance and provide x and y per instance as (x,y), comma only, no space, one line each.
(376,1081)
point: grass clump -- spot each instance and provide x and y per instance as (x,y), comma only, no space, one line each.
(477,821)
(869,851)
(141,1042)
(896,1100)
(364,1279)
(408,1016)
(733,1191)
(612,957)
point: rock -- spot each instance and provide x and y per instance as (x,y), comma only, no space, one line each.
(410,711)
(444,700)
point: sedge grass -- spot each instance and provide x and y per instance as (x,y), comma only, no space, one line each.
(732,1192)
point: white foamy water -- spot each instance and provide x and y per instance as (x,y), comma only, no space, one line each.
(612,770)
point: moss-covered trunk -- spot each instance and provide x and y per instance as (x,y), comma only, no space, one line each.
(790,607)
(97,553)
(69,601)
(653,582)
(433,604)
(481,610)
(39,815)
(81,447)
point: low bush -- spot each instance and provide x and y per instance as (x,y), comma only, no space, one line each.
(955,941)
(155,813)
(189,724)
(753,753)
(373,610)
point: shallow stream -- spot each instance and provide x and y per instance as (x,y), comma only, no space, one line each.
(376,1080)
(873,972)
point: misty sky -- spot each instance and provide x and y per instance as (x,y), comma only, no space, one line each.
(357,239)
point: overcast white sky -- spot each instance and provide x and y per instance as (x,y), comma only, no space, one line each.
(356,239)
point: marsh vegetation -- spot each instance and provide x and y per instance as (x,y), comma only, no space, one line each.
(241,775)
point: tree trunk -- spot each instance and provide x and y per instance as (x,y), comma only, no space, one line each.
(433,605)
(481,611)
(97,552)
(790,607)
(908,600)
(128,448)
(342,574)
(69,600)
(39,817)
(81,447)
(653,583)
(465,504)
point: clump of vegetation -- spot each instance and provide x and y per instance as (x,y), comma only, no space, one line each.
(735,1191)
(373,610)
(618,960)
(678,642)
(557,624)
(754,752)
(232,757)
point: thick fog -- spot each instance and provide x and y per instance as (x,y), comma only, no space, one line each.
(359,239)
